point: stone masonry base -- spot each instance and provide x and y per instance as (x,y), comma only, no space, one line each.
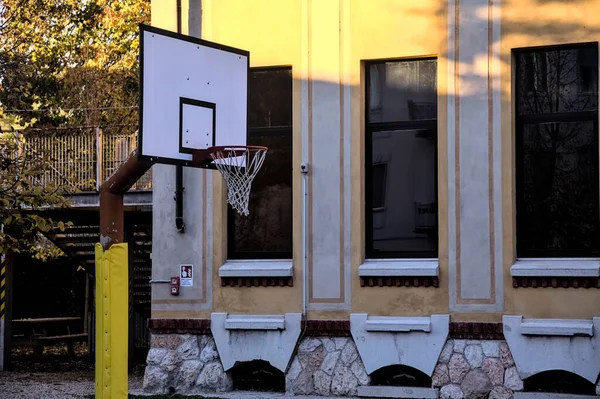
(189,364)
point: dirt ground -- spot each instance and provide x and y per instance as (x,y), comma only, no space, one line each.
(56,375)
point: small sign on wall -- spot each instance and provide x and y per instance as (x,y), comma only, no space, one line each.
(187,275)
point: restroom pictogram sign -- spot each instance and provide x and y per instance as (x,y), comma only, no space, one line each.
(187,275)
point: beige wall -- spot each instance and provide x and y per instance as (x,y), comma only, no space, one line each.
(274,33)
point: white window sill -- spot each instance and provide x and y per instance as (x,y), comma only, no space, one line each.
(556,267)
(398,324)
(399,268)
(383,391)
(549,395)
(257,268)
(563,327)
(254,322)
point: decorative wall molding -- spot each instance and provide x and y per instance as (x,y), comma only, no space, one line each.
(328,328)
(243,345)
(534,354)
(257,282)
(476,330)
(417,349)
(179,326)
(556,282)
(377,281)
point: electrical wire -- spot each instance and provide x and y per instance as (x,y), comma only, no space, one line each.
(67,109)
(43,129)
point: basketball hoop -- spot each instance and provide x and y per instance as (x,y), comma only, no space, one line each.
(238,165)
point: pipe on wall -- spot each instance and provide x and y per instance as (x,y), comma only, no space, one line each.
(179,223)
(304,171)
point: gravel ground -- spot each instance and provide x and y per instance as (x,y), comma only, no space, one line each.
(54,385)
(56,376)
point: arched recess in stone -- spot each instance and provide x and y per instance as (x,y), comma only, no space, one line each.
(559,381)
(400,375)
(257,375)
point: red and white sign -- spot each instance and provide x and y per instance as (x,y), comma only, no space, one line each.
(187,275)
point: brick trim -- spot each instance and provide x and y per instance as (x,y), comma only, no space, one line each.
(399,281)
(476,330)
(556,282)
(179,326)
(257,281)
(328,328)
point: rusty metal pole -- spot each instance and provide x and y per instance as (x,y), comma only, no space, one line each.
(111,199)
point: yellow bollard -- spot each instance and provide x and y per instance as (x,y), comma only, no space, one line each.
(112,296)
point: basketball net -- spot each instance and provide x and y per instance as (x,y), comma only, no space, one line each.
(238,166)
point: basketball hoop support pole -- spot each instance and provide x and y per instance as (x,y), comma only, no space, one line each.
(112,283)
(111,198)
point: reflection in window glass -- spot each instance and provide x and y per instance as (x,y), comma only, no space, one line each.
(269,96)
(558,80)
(557,152)
(403,91)
(379,185)
(267,231)
(560,192)
(401,148)
(410,195)
(268,227)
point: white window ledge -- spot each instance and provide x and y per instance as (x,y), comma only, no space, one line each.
(398,324)
(399,268)
(255,322)
(257,268)
(382,391)
(549,395)
(562,327)
(556,267)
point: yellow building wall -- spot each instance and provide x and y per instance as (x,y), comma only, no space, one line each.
(271,31)
(274,33)
(529,23)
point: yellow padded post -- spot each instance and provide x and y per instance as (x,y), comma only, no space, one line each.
(112,296)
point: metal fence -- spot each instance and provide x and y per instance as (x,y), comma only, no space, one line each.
(82,159)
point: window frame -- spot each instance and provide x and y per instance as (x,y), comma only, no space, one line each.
(232,254)
(520,122)
(375,127)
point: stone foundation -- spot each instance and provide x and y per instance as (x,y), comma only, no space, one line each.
(474,369)
(326,366)
(330,366)
(185,364)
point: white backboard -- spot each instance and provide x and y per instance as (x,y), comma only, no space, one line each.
(193,95)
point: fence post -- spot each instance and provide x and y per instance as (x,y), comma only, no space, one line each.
(99,158)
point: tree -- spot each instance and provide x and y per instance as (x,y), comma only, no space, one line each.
(63,63)
(22,197)
(71,54)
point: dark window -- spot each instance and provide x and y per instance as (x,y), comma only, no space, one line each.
(401,159)
(266,233)
(557,151)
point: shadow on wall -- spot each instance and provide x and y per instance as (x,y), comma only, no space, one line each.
(554,22)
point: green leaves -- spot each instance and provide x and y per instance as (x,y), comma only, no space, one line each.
(23,199)
(64,63)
